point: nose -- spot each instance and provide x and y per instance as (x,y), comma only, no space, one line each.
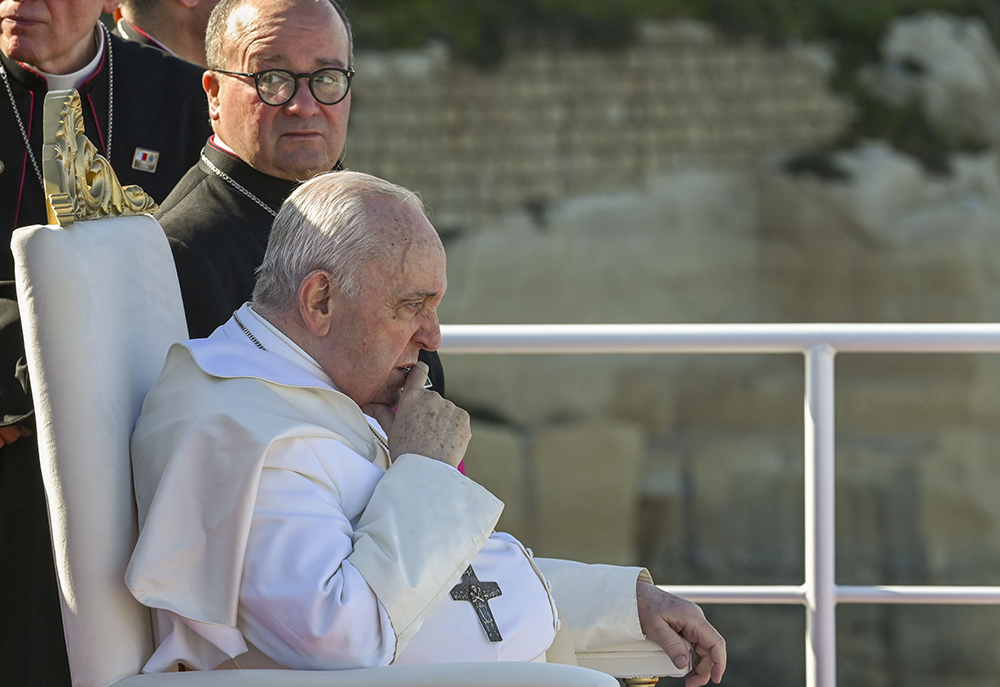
(428,336)
(303,103)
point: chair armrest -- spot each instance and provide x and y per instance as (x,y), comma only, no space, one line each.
(639,659)
(436,675)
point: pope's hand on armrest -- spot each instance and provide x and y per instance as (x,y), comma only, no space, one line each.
(424,423)
(665,618)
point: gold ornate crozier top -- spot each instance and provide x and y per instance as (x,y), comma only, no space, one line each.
(79,182)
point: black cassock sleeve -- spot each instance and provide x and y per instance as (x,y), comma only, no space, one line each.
(15,390)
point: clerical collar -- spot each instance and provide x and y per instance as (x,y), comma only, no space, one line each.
(62,82)
(275,341)
(222,144)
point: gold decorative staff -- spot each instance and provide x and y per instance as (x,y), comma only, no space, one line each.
(79,182)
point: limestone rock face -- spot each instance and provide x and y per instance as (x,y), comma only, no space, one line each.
(886,199)
(629,258)
(950,65)
(586,474)
(496,459)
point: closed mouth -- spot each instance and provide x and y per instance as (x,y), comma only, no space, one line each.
(20,20)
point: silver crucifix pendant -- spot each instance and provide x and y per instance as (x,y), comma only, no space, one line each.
(478,594)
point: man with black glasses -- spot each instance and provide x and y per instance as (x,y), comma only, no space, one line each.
(279,99)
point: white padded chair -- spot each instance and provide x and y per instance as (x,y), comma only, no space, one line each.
(100,306)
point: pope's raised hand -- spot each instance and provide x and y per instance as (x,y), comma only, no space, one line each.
(424,423)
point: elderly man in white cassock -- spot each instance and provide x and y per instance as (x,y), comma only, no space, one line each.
(298,495)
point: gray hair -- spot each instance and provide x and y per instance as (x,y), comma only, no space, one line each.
(215,33)
(325,224)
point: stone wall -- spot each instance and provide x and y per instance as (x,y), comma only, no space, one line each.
(547,125)
(649,185)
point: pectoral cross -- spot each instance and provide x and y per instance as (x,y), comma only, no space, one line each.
(478,594)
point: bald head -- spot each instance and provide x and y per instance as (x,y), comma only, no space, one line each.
(338,221)
(231,18)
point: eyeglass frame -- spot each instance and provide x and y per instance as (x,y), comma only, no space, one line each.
(256,76)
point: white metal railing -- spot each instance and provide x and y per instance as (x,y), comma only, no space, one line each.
(819,343)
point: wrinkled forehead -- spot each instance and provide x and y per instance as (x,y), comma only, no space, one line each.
(407,237)
(402,222)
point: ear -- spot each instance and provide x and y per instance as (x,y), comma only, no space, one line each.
(210,82)
(190,4)
(318,299)
(109,6)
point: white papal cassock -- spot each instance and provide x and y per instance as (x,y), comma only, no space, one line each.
(274,532)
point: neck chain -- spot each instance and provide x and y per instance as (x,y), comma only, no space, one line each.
(232,182)
(258,344)
(246,331)
(379,439)
(111,109)
(111,89)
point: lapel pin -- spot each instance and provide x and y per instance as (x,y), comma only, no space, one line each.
(145,160)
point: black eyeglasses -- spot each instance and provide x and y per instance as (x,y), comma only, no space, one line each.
(277,86)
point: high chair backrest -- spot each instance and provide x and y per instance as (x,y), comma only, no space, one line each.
(100,306)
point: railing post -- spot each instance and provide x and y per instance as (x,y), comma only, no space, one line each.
(821,620)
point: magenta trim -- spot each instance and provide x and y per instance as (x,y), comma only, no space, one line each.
(97,122)
(100,65)
(24,159)
(216,146)
(152,40)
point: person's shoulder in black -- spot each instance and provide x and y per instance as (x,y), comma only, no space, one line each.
(128,31)
(218,234)
(162,112)
(212,249)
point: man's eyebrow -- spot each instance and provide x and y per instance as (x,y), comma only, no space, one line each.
(281,59)
(419,295)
